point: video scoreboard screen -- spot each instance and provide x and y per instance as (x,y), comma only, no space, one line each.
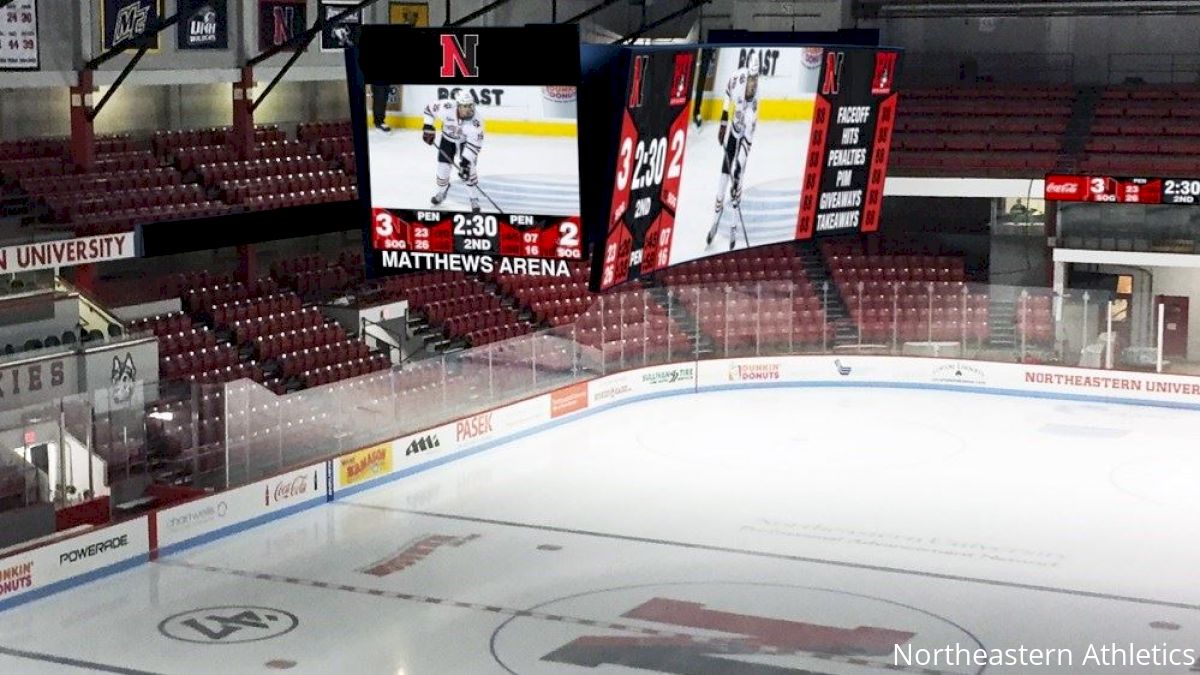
(472,153)
(1112,190)
(792,143)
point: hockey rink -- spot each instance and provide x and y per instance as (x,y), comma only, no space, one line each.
(523,174)
(770,196)
(765,531)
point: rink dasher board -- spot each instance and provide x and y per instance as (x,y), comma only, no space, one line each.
(54,567)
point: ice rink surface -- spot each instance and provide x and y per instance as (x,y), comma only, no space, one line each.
(770,196)
(768,531)
(536,175)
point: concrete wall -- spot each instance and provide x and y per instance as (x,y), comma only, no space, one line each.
(63,315)
(1090,40)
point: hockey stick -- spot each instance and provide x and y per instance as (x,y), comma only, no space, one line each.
(742,143)
(743,222)
(450,161)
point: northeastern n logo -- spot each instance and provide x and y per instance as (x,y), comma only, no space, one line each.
(459,56)
(831,84)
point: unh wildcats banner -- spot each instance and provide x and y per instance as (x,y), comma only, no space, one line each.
(203,24)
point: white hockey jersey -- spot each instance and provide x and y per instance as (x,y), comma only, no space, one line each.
(466,134)
(745,113)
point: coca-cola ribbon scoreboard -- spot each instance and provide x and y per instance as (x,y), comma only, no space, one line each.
(790,143)
(1121,190)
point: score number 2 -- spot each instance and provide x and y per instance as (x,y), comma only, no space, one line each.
(645,164)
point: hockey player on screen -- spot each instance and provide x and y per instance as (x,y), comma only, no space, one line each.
(741,96)
(462,139)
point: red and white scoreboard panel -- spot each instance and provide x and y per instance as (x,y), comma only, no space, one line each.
(514,235)
(1121,190)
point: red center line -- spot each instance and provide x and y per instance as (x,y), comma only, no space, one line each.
(718,645)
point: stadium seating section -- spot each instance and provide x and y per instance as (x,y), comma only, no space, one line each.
(907,297)
(984,130)
(180,175)
(1145,131)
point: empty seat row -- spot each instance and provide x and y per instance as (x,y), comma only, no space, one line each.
(1047,126)
(229,373)
(72,205)
(334,278)
(163,141)
(180,365)
(202,299)
(294,363)
(953,161)
(245,331)
(290,199)
(421,296)
(311,131)
(103,182)
(332,148)
(976,143)
(185,341)
(216,173)
(251,308)
(273,345)
(442,309)
(486,336)
(461,325)
(239,191)
(343,371)
(162,324)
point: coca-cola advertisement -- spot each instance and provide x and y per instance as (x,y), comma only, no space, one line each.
(292,488)
(1066,188)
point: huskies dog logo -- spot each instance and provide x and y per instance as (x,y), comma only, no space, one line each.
(124,372)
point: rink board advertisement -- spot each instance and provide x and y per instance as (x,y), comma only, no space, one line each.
(36,572)
(284,493)
(472,147)
(792,143)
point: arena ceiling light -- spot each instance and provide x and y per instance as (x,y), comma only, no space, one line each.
(956,8)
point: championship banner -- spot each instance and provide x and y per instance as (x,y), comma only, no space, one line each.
(124,20)
(336,36)
(280,21)
(408,14)
(203,24)
(66,252)
(19,36)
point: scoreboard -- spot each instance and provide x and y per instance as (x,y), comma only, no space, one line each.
(1114,190)
(514,235)
(472,156)
(792,144)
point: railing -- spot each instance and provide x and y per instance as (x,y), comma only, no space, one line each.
(218,436)
(1154,68)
